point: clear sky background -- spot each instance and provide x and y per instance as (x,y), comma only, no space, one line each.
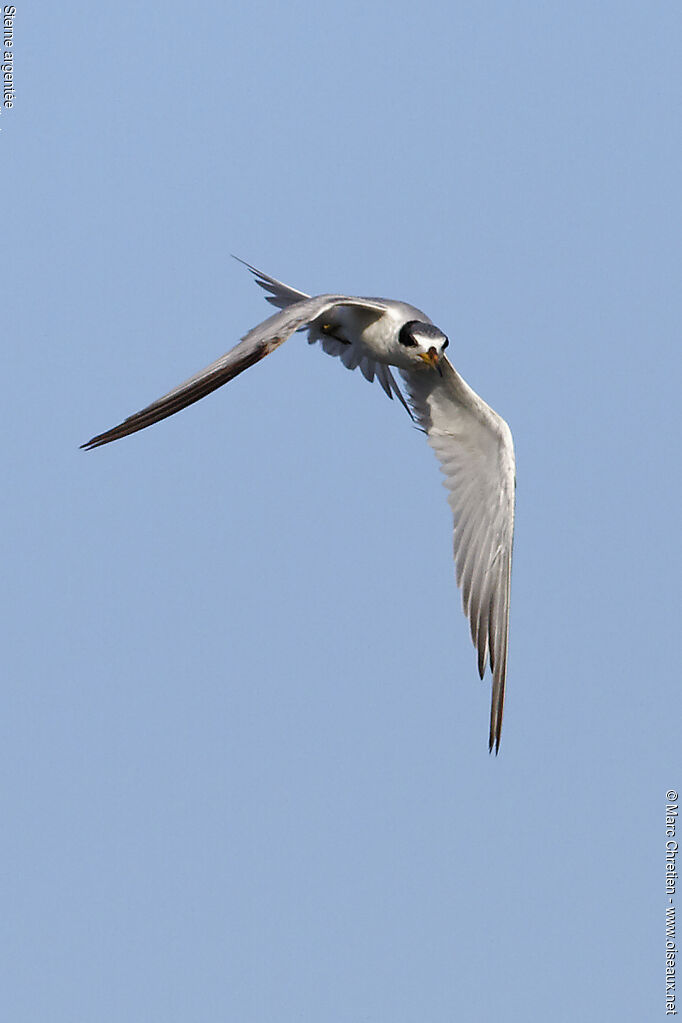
(243,743)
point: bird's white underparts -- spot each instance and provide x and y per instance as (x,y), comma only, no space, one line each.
(472,443)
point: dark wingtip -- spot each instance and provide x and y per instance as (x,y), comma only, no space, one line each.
(495,735)
(109,435)
(104,438)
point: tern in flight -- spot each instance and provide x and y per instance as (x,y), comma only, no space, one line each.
(472,443)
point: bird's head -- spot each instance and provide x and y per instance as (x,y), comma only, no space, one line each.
(421,345)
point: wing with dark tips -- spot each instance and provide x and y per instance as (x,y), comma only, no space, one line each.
(258,343)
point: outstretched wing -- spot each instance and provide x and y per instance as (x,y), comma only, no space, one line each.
(253,347)
(476,453)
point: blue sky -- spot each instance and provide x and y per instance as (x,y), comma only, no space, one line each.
(243,742)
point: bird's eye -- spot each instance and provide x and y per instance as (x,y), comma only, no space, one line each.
(405,335)
(445,344)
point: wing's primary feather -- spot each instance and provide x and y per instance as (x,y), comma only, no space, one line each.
(476,453)
(253,347)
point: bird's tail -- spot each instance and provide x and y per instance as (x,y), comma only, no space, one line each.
(281,295)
